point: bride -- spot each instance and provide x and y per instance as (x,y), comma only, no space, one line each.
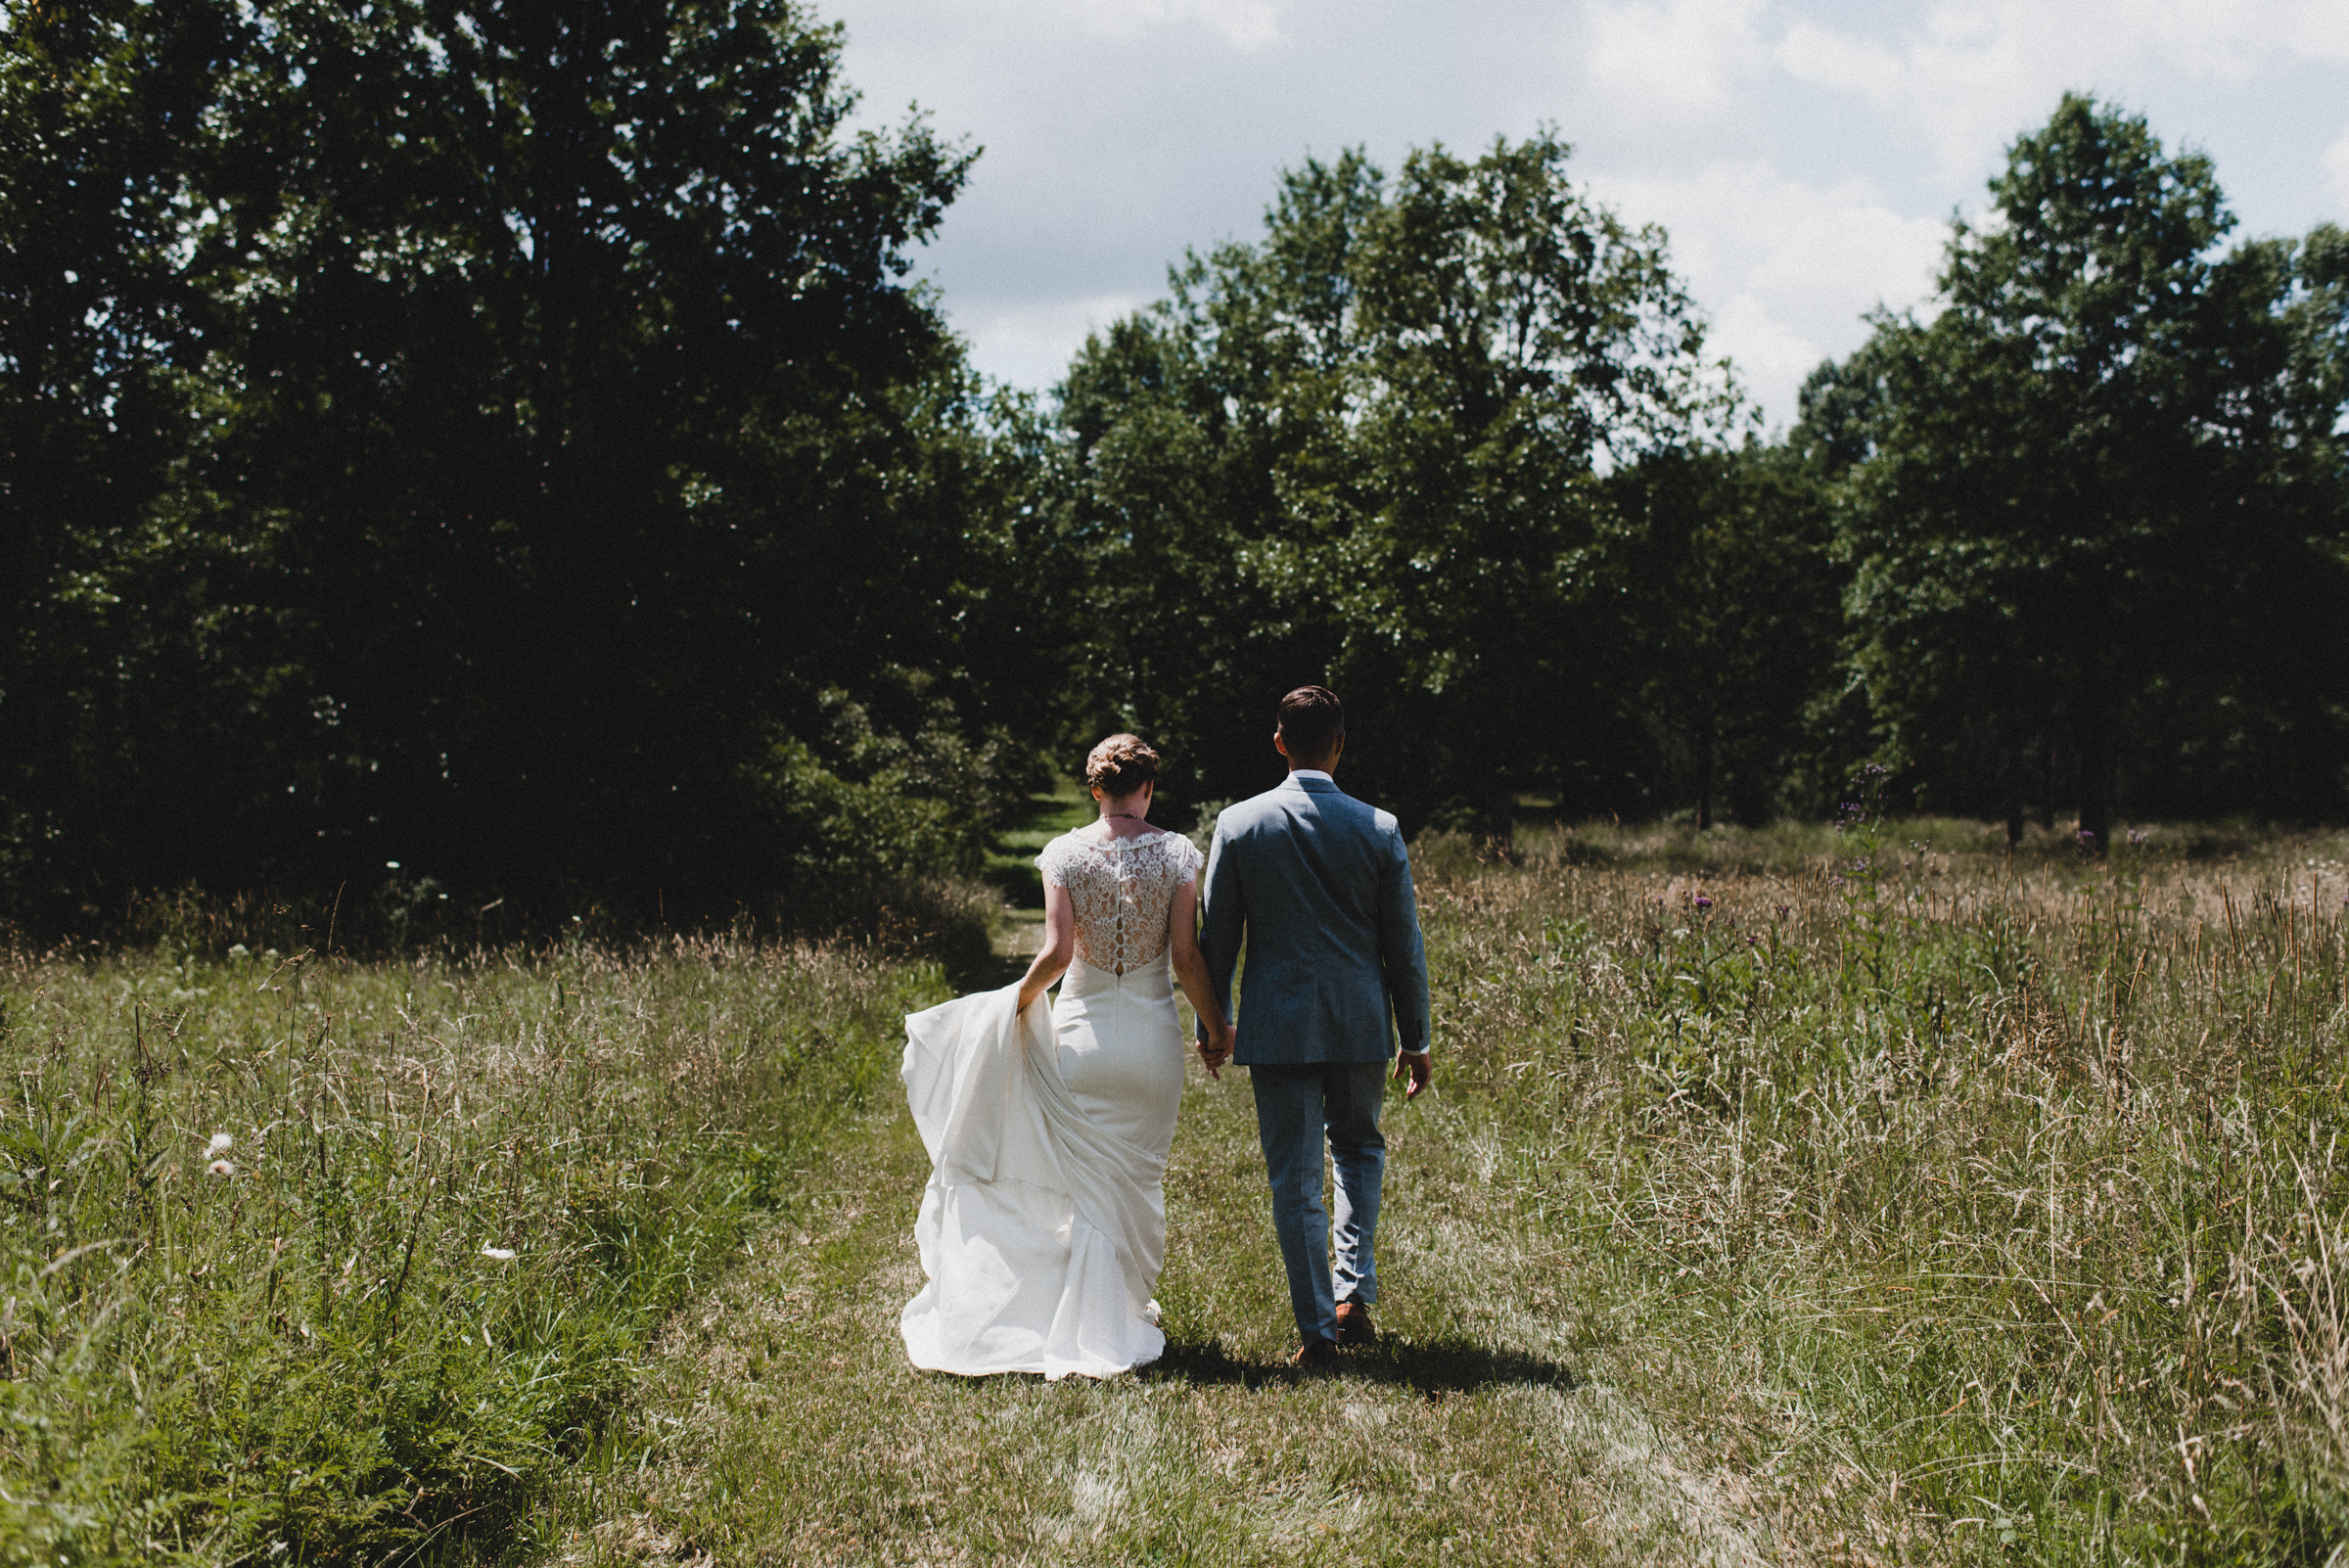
(1044,1223)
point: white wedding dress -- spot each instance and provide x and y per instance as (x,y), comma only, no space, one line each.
(1044,1223)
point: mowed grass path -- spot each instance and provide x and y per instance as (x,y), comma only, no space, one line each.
(787,1426)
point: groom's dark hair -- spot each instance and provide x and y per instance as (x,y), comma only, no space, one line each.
(1312,718)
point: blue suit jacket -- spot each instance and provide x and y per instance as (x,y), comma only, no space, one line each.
(1318,886)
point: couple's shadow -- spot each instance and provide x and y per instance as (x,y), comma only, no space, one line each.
(1426,1366)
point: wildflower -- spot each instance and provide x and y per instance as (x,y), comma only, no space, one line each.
(2088,836)
(1702,901)
(221,1143)
(391,865)
(501,1253)
(2139,835)
(240,951)
(222,1168)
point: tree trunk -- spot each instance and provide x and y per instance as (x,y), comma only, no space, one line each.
(2010,768)
(1704,775)
(1498,819)
(2096,787)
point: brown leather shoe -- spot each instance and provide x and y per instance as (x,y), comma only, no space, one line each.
(1353,1325)
(1315,1356)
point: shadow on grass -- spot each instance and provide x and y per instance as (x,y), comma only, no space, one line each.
(972,971)
(1427,1367)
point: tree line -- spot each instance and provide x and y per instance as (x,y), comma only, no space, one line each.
(502,439)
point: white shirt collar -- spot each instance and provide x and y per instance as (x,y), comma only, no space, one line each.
(1310,772)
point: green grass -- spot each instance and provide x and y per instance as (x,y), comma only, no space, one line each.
(1786,1197)
(787,1428)
(308,1351)
(1972,1211)
(1011,862)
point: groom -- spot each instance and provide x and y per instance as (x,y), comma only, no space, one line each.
(1318,886)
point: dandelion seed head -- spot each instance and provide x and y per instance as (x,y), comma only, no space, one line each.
(501,1253)
(221,1143)
(222,1168)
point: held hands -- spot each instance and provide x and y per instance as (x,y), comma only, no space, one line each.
(1216,1049)
(1412,1066)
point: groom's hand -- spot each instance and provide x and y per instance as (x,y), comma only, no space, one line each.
(1412,1066)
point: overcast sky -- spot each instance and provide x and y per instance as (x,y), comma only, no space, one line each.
(1805,157)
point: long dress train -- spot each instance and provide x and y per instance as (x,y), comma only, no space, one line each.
(1043,1225)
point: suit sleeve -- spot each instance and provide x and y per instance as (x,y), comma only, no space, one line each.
(1400,952)
(1223,919)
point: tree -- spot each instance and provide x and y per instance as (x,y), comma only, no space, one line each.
(555,456)
(2076,490)
(1720,560)
(1372,443)
(99,106)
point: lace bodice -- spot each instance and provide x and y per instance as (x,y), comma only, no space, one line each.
(1123,890)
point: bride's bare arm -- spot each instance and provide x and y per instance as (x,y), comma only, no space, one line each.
(1059,946)
(1190,967)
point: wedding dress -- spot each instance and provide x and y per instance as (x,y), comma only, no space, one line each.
(1044,1223)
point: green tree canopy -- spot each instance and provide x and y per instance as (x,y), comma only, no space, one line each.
(2093,504)
(1367,449)
(536,458)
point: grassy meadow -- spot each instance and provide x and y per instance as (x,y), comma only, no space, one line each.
(1792,1195)
(315,1260)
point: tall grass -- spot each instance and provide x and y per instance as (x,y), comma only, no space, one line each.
(2000,1199)
(1906,1199)
(311,1260)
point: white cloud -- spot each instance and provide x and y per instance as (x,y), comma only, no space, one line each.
(1248,26)
(1978,71)
(2336,163)
(1785,270)
(1031,345)
(1672,67)
(1805,154)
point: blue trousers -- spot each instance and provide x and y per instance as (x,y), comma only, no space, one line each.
(1297,1107)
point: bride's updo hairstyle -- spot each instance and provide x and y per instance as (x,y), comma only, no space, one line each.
(1120,765)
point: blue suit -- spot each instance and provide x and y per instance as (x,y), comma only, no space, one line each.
(1317,887)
